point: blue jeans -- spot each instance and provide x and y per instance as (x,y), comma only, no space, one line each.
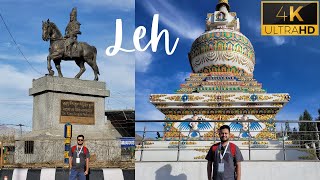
(76,175)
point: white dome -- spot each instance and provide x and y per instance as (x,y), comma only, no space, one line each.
(222,50)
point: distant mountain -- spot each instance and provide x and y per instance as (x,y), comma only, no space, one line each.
(10,131)
(5,130)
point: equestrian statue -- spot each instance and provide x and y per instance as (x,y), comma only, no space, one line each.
(68,48)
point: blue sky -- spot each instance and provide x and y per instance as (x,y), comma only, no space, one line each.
(283,64)
(24,19)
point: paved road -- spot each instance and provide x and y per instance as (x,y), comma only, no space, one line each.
(63,174)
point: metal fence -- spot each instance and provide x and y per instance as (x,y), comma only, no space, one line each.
(285,144)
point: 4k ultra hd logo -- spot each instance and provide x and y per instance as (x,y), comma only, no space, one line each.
(290,18)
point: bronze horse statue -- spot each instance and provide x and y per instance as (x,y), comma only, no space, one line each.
(57,52)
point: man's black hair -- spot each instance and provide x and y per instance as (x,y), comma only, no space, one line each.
(80,136)
(224,127)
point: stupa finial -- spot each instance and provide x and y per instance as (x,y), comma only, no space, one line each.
(223,3)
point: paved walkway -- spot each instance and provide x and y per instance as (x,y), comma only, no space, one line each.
(63,174)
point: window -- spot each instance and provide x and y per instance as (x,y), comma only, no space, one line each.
(28,147)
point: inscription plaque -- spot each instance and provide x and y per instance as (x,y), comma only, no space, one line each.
(77,112)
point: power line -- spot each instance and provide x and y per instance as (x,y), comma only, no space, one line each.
(15,125)
(120,101)
(118,92)
(17,45)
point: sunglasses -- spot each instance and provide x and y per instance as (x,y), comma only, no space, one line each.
(80,139)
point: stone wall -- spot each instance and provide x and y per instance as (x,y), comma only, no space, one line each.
(52,151)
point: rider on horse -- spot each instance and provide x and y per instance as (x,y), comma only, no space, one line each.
(72,31)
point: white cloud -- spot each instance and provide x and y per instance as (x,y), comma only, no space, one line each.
(38,58)
(178,21)
(143,60)
(16,113)
(119,73)
(256,27)
(33,58)
(15,103)
(12,78)
(8,57)
(279,40)
(6,45)
(123,5)
(181,76)
(146,111)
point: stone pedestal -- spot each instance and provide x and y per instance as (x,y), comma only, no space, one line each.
(60,100)
(49,92)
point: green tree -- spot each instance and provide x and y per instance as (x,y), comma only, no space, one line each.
(293,135)
(307,126)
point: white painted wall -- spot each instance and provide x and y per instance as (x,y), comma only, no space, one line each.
(160,151)
(272,170)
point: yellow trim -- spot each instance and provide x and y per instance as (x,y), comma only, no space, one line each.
(289,2)
(278,30)
(223,1)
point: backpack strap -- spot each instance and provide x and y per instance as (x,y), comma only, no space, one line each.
(85,150)
(215,147)
(233,149)
(73,149)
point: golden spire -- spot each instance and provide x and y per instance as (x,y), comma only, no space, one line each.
(223,2)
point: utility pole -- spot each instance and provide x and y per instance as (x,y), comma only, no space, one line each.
(317,134)
(1,155)
(20,129)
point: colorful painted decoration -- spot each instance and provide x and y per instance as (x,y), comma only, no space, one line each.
(184,98)
(222,47)
(194,128)
(220,16)
(245,127)
(253,97)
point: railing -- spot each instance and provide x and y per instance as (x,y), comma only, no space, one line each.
(285,143)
